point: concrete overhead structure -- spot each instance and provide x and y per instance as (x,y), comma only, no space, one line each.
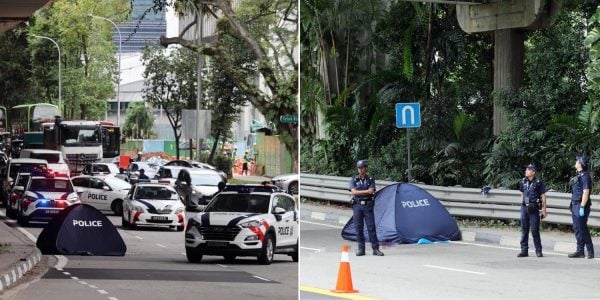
(14,12)
(509,20)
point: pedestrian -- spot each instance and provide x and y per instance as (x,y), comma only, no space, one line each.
(362,187)
(245,164)
(533,198)
(140,155)
(143,175)
(580,208)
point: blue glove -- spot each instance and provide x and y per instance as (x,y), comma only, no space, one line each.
(581,212)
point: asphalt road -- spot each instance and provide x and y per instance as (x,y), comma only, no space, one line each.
(457,270)
(155,267)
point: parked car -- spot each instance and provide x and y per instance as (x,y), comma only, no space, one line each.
(245,221)
(134,170)
(151,204)
(168,174)
(16,166)
(197,187)
(55,159)
(195,164)
(42,196)
(103,192)
(287,182)
(103,169)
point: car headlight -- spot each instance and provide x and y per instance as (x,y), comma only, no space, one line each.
(253,223)
(137,208)
(179,210)
(72,197)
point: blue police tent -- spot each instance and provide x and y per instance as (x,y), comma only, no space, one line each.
(81,229)
(405,213)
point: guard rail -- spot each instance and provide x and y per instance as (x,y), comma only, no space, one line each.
(464,202)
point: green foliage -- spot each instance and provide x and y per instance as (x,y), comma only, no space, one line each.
(14,65)
(223,163)
(139,121)
(89,66)
(170,79)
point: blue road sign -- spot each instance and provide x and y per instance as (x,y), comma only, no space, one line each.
(408,115)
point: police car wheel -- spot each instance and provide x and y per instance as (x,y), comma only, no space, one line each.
(11,213)
(193,255)
(180,228)
(267,251)
(124,223)
(117,207)
(22,220)
(294,254)
(229,258)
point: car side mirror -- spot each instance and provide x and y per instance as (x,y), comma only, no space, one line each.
(106,188)
(79,190)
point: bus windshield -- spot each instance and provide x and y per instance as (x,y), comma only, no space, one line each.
(80,135)
(44,112)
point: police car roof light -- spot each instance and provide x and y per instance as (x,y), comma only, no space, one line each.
(251,188)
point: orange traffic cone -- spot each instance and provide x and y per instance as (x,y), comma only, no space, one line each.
(344,280)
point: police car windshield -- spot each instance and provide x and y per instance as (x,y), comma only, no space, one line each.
(16,168)
(52,185)
(239,203)
(206,179)
(155,193)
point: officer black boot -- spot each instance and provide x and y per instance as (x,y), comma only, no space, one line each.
(590,255)
(360,252)
(522,254)
(539,253)
(576,255)
(376,252)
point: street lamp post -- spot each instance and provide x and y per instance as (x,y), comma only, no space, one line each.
(59,76)
(119,74)
(199,28)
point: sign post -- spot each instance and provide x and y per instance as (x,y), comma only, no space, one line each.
(408,115)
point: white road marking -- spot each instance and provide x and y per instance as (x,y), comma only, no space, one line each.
(311,249)
(263,279)
(62,262)
(183,253)
(139,237)
(113,298)
(223,266)
(67,273)
(74,278)
(326,225)
(27,234)
(83,282)
(162,246)
(103,292)
(452,269)
(93,286)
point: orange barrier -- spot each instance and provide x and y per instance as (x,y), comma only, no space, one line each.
(344,280)
(124,161)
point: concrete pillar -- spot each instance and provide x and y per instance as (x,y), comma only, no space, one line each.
(508,68)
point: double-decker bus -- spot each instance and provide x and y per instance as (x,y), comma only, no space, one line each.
(111,141)
(29,117)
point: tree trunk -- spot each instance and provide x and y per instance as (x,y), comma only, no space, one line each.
(428,55)
(214,147)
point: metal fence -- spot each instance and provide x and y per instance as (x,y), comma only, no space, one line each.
(464,202)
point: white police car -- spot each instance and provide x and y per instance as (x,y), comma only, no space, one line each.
(245,220)
(102,192)
(41,197)
(151,204)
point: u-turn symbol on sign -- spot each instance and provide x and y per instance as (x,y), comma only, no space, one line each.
(408,115)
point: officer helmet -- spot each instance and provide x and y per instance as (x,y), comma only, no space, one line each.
(532,167)
(584,161)
(362,164)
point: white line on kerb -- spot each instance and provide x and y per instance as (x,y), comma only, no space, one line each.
(139,237)
(74,278)
(103,292)
(93,286)
(222,266)
(452,269)
(326,225)
(311,249)
(263,279)
(162,246)
(113,298)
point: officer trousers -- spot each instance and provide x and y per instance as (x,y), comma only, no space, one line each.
(580,227)
(364,214)
(530,220)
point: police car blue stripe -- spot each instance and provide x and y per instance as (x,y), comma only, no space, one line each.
(205,219)
(148,205)
(234,221)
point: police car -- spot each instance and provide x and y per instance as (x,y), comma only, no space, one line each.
(39,196)
(153,204)
(245,220)
(103,192)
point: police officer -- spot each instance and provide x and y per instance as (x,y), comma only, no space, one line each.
(580,208)
(362,187)
(143,175)
(533,195)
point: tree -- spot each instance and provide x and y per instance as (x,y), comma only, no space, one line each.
(89,66)
(138,121)
(169,79)
(15,85)
(269,30)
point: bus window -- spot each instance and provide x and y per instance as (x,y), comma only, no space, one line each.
(111,139)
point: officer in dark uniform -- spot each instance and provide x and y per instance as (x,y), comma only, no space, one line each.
(533,195)
(362,187)
(580,208)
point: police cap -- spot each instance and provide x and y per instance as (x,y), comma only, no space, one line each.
(583,160)
(532,167)
(362,163)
